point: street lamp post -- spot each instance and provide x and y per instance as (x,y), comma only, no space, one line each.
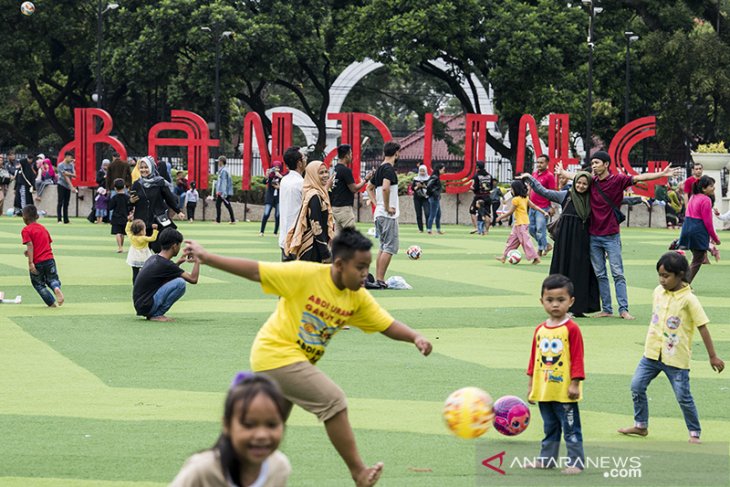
(97,97)
(224,35)
(630,37)
(593,10)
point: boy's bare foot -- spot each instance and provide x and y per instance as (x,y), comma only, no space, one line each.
(536,261)
(501,259)
(120,250)
(59,296)
(162,318)
(571,471)
(603,314)
(634,430)
(369,475)
(548,249)
(695,440)
(625,315)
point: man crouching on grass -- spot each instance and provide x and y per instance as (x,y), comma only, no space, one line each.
(161,282)
(317,300)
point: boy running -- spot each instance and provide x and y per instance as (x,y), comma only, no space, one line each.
(41,264)
(317,300)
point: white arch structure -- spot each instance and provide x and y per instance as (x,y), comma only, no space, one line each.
(356,72)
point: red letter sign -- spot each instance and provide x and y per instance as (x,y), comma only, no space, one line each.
(84,145)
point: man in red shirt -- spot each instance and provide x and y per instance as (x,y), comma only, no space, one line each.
(42,266)
(607,191)
(697,170)
(538,222)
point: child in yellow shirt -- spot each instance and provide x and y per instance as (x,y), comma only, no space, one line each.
(556,372)
(668,347)
(139,250)
(520,227)
(317,300)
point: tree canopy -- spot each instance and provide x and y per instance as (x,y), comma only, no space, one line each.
(156,56)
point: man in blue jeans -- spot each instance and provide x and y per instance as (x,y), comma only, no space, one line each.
(538,221)
(160,282)
(604,227)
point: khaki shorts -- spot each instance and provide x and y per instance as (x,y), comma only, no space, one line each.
(309,388)
(344,217)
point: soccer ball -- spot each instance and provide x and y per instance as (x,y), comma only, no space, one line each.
(511,415)
(468,412)
(514,256)
(27,8)
(9,212)
(414,252)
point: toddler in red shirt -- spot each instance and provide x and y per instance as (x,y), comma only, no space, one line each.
(42,266)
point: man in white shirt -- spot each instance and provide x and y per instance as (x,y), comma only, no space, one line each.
(385,185)
(290,194)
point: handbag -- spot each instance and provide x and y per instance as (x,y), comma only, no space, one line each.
(553,227)
(162,220)
(620,217)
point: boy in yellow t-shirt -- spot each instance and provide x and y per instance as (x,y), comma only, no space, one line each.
(668,347)
(317,300)
(556,375)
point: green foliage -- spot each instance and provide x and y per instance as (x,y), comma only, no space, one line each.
(404,182)
(255,195)
(717,148)
(533,54)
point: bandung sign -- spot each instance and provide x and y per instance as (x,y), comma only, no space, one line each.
(93,126)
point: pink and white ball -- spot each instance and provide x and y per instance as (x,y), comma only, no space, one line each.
(511,415)
(27,8)
(514,256)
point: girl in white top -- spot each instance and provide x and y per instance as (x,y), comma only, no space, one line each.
(245,454)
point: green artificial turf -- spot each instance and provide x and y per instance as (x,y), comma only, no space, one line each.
(90,395)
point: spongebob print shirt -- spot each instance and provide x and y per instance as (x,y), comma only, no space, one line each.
(311,310)
(556,359)
(674,318)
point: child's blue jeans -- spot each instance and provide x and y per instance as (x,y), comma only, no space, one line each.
(480,227)
(557,416)
(46,277)
(646,371)
(166,296)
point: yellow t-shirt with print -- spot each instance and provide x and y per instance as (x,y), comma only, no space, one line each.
(556,359)
(311,310)
(674,319)
(520,215)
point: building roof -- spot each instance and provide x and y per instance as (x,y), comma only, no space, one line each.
(411,146)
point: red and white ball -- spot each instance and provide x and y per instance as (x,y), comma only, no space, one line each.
(414,252)
(27,8)
(514,256)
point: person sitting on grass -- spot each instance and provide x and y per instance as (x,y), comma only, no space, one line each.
(160,282)
(246,453)
(41,264)
(317,300)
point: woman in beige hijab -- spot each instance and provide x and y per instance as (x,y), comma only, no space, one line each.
(310,236)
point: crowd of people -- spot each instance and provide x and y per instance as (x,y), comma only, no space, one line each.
(316,225)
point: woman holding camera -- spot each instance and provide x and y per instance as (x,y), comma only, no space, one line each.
(152,199)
